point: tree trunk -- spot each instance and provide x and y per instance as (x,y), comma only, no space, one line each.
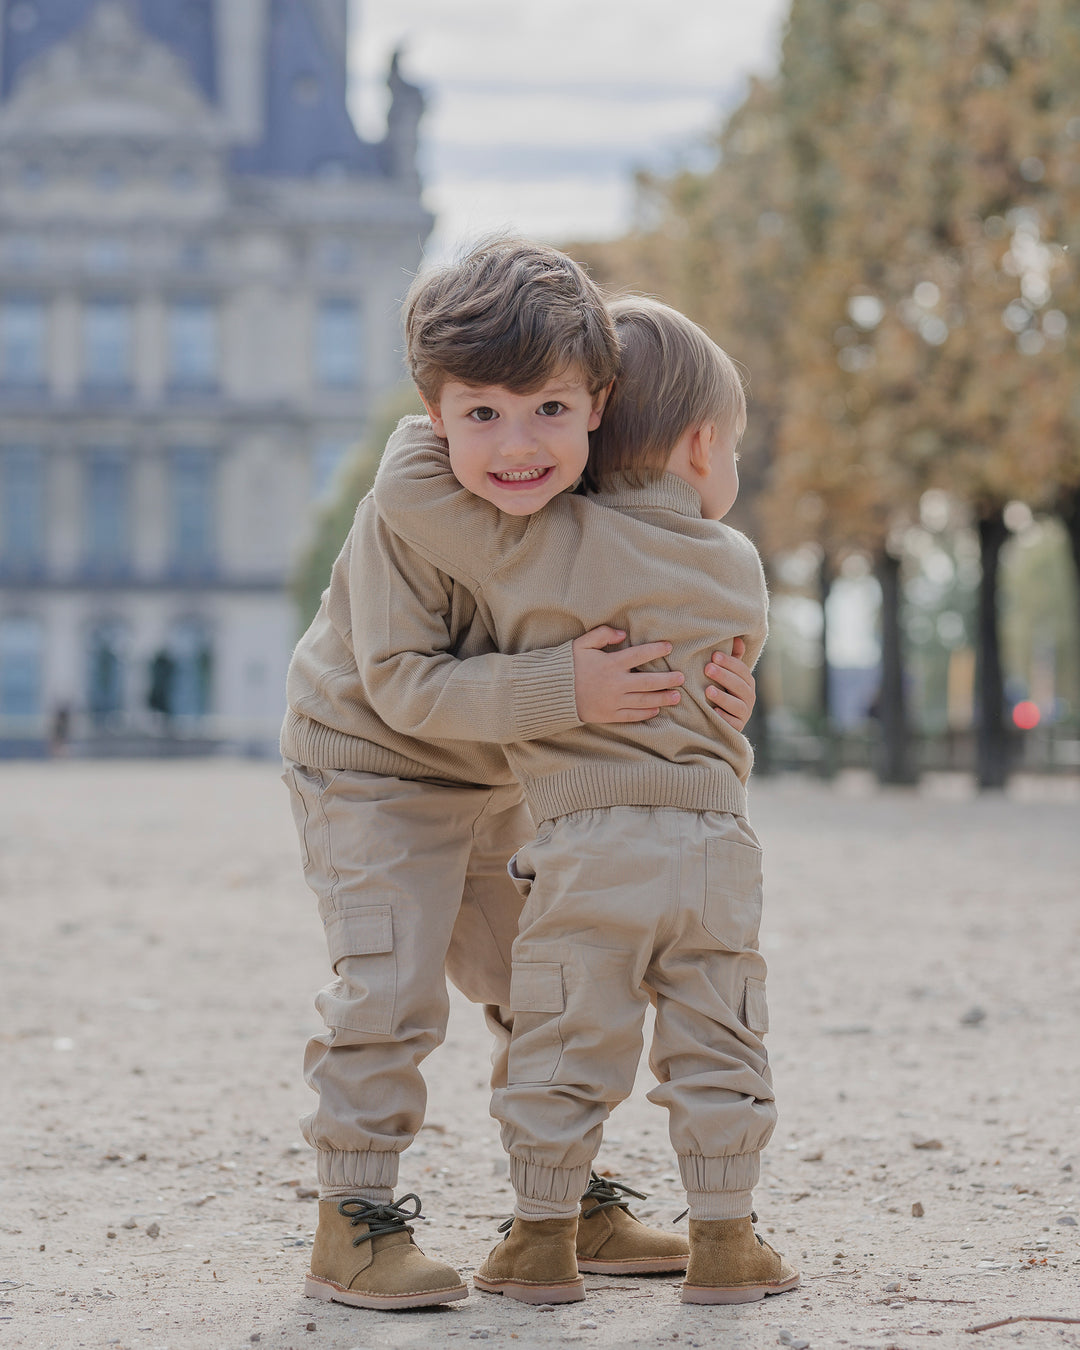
(826,732)
(991,738)
(1070,514)
(895,761)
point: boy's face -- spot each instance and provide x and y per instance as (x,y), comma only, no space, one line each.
(517,450)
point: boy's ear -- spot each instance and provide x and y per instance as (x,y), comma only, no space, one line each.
(432,410)
(600,398)
(700,448)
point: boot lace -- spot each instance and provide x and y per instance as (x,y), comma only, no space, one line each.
(607,1194)
(381,1219)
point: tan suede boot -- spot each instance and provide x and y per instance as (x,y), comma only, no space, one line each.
(729,1263)
(611,1241)
(364,1255)
(534,1263)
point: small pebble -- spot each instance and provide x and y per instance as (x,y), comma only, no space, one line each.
(587,1325)
(152,1229)
(255,1336)
(1066,1219)
(973,1017)
(816,1156)
(927,1143)
(309,1326)
(893,1288)
(917,1210)
(110,1234)
(130,1224)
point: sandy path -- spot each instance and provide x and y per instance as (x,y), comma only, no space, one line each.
(158,955)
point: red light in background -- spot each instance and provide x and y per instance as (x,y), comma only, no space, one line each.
(1026,715)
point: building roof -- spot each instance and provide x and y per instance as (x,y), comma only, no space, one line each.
(186,26)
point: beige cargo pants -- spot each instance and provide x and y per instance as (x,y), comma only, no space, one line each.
(623,904)
(411,882)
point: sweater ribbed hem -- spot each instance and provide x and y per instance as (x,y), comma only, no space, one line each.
(352,1171)
(732,1172)
(318,746)
(544,702)
(555,1185)
(686,787)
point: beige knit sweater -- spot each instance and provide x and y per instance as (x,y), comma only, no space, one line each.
(640,558)
(398,658)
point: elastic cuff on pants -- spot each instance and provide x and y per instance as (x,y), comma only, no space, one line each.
(554,1185)
(720,1204)
(357,1171)
(533,1210)
(731,1172)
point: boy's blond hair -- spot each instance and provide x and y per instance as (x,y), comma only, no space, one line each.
(672,377)
(511,313)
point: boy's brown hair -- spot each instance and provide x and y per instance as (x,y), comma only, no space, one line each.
(672,377)
(511,313)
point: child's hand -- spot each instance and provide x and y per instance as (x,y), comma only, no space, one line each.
(605,684)
(737,694)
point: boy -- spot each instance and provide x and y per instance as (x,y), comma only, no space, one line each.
(644,879)
(405,832)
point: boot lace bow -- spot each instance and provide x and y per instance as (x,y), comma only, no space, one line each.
(609,1194)
(381,1219)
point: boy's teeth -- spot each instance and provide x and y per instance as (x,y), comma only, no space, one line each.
(519,475)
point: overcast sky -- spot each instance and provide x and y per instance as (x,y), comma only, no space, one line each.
(540,110)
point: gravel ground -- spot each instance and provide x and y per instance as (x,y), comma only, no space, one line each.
(158,957)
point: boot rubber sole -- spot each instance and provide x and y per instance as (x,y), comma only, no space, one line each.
(646,1265)
(571,1291)
(315,1287)
(745,1293)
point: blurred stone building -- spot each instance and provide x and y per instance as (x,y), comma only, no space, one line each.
(200,270)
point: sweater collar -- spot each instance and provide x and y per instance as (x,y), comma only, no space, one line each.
(669,492)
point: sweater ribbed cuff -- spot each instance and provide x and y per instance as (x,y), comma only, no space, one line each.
(543,687)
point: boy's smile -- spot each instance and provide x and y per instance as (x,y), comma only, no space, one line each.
(517,451)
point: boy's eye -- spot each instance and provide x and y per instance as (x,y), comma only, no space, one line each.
(483,414)
(551,408)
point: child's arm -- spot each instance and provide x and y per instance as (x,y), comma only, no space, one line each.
(400,626)
(420,499)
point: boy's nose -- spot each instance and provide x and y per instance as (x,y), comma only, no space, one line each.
(518,443)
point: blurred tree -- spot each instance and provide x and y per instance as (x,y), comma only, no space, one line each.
(334,520)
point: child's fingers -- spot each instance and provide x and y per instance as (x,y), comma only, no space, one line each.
(636,714)
(641,656)
(730,679)
(719,698)
(651,680)
(604,636)
(650,699)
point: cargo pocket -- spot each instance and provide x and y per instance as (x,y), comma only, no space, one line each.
(732,910)
(361,943)
(537,1000)
(755,1007)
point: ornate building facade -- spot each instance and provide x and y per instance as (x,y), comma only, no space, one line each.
(201,264)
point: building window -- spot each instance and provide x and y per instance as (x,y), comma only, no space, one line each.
(191,504)
(105,671)
(107,500)
(338,344)
(181,672)
(193,345)
(22,342)
(107,344)
(22,509)
(20,667)
(107,256)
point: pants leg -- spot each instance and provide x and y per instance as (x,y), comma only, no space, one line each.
(708,1053)
(623,903)
(387,859)
(478,961)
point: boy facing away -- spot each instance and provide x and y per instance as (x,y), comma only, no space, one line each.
(406,824)
(644,879)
